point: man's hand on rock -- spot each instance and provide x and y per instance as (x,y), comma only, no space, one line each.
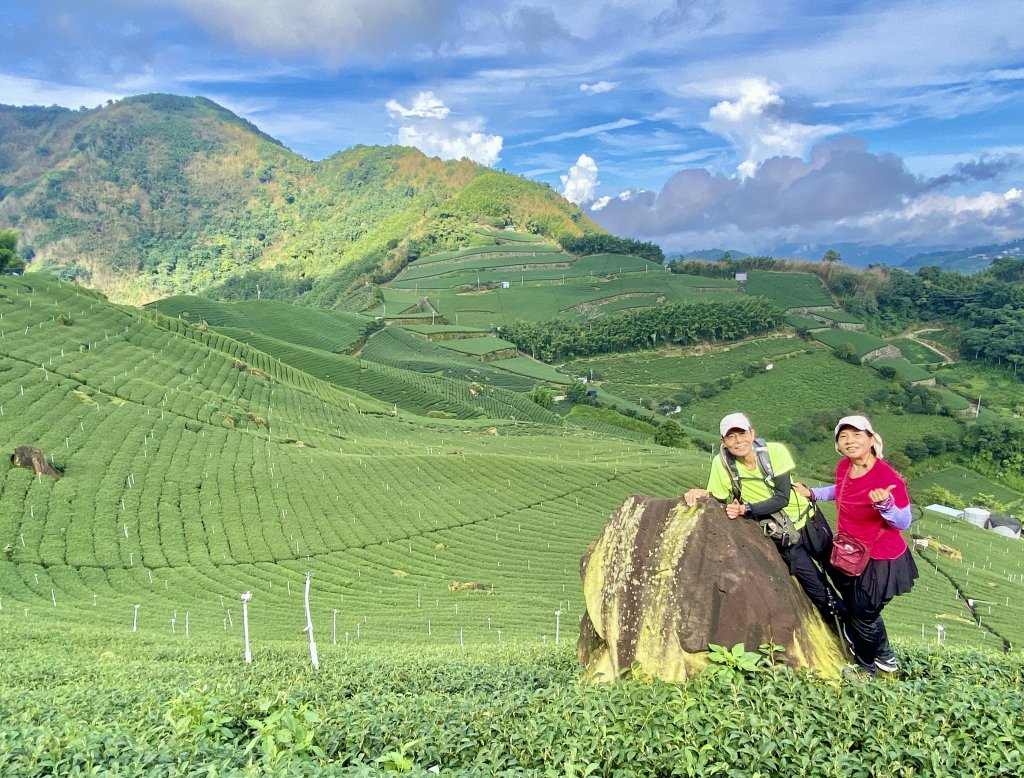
(693,495)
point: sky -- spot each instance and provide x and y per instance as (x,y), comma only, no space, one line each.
(753,125)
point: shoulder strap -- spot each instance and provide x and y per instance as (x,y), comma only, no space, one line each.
(764,461)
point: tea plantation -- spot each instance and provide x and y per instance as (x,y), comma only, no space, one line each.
(437,515)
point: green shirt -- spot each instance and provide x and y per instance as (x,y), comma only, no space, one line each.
(752,485)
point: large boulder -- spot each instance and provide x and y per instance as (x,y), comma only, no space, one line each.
(35,460)
(663,580)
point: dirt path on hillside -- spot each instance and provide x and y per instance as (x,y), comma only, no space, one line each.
(949,360)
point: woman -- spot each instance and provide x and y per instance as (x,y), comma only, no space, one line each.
(873,507)
(738,479)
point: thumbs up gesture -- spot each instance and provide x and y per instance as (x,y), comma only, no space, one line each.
(881,496)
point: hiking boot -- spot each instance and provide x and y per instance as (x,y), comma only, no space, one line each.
(887,662)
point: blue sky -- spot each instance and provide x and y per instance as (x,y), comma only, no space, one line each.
(745,124)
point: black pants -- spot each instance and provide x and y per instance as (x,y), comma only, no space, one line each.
(864,620)
(808,563)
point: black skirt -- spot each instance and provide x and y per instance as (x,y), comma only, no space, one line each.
(884,579)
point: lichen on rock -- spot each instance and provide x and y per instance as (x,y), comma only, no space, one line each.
(663,580)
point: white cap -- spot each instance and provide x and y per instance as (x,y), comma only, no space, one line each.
(734,421)
(863,424)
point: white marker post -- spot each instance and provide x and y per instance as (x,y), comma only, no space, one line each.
(245,625)
(309,627)
(558,615)
(135,618)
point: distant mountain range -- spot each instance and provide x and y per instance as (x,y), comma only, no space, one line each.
(966,261)
(159,194)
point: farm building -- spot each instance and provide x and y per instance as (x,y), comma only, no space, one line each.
(1005,525)
(945,510)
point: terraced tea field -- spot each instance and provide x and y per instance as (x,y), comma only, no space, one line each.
(196,467)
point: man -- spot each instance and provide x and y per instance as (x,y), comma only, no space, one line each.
(739,479)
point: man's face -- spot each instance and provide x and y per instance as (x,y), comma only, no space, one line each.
(738,442)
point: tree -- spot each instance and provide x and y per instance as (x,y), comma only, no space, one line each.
(669,434)
(831,256)
(543,397)
(577,392)
(9,250)
(915,451)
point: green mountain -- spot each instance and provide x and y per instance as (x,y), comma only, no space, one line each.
(966,261)
(158,194)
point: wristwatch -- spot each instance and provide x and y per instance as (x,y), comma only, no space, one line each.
(747,510)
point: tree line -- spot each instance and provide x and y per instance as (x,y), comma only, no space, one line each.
(988,306)
(675,323)
(596,243)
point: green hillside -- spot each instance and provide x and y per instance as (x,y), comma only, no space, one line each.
(438,515)
(196,468)
(158,195)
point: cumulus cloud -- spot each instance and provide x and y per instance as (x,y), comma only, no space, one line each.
(842,192)
(332,29)
(427,125)
(580,183)
(755,124)
(424,106)
(598,87)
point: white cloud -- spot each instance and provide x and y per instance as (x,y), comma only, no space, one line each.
(580,183)
(585,132)
(332,29)
(427,126)
(31,91)
(842,193)
(755,125)
(424,106)
(598,87)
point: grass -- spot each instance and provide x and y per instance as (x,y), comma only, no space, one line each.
(862,343)
(140,705)
(803,323)
(667,370)
(334,331)
(788,290)
(470,254)
(577,298)
(532,369)
(997,387)
(918,353)
(189,480)
(905,370)
(967,484)
(479,346)
(840,317)
(198,467)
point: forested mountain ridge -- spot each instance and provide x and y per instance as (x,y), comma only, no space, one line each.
(158,194)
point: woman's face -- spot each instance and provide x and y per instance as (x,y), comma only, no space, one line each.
(854,443)
(738,442)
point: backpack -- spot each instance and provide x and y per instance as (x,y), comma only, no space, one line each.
(777,526)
